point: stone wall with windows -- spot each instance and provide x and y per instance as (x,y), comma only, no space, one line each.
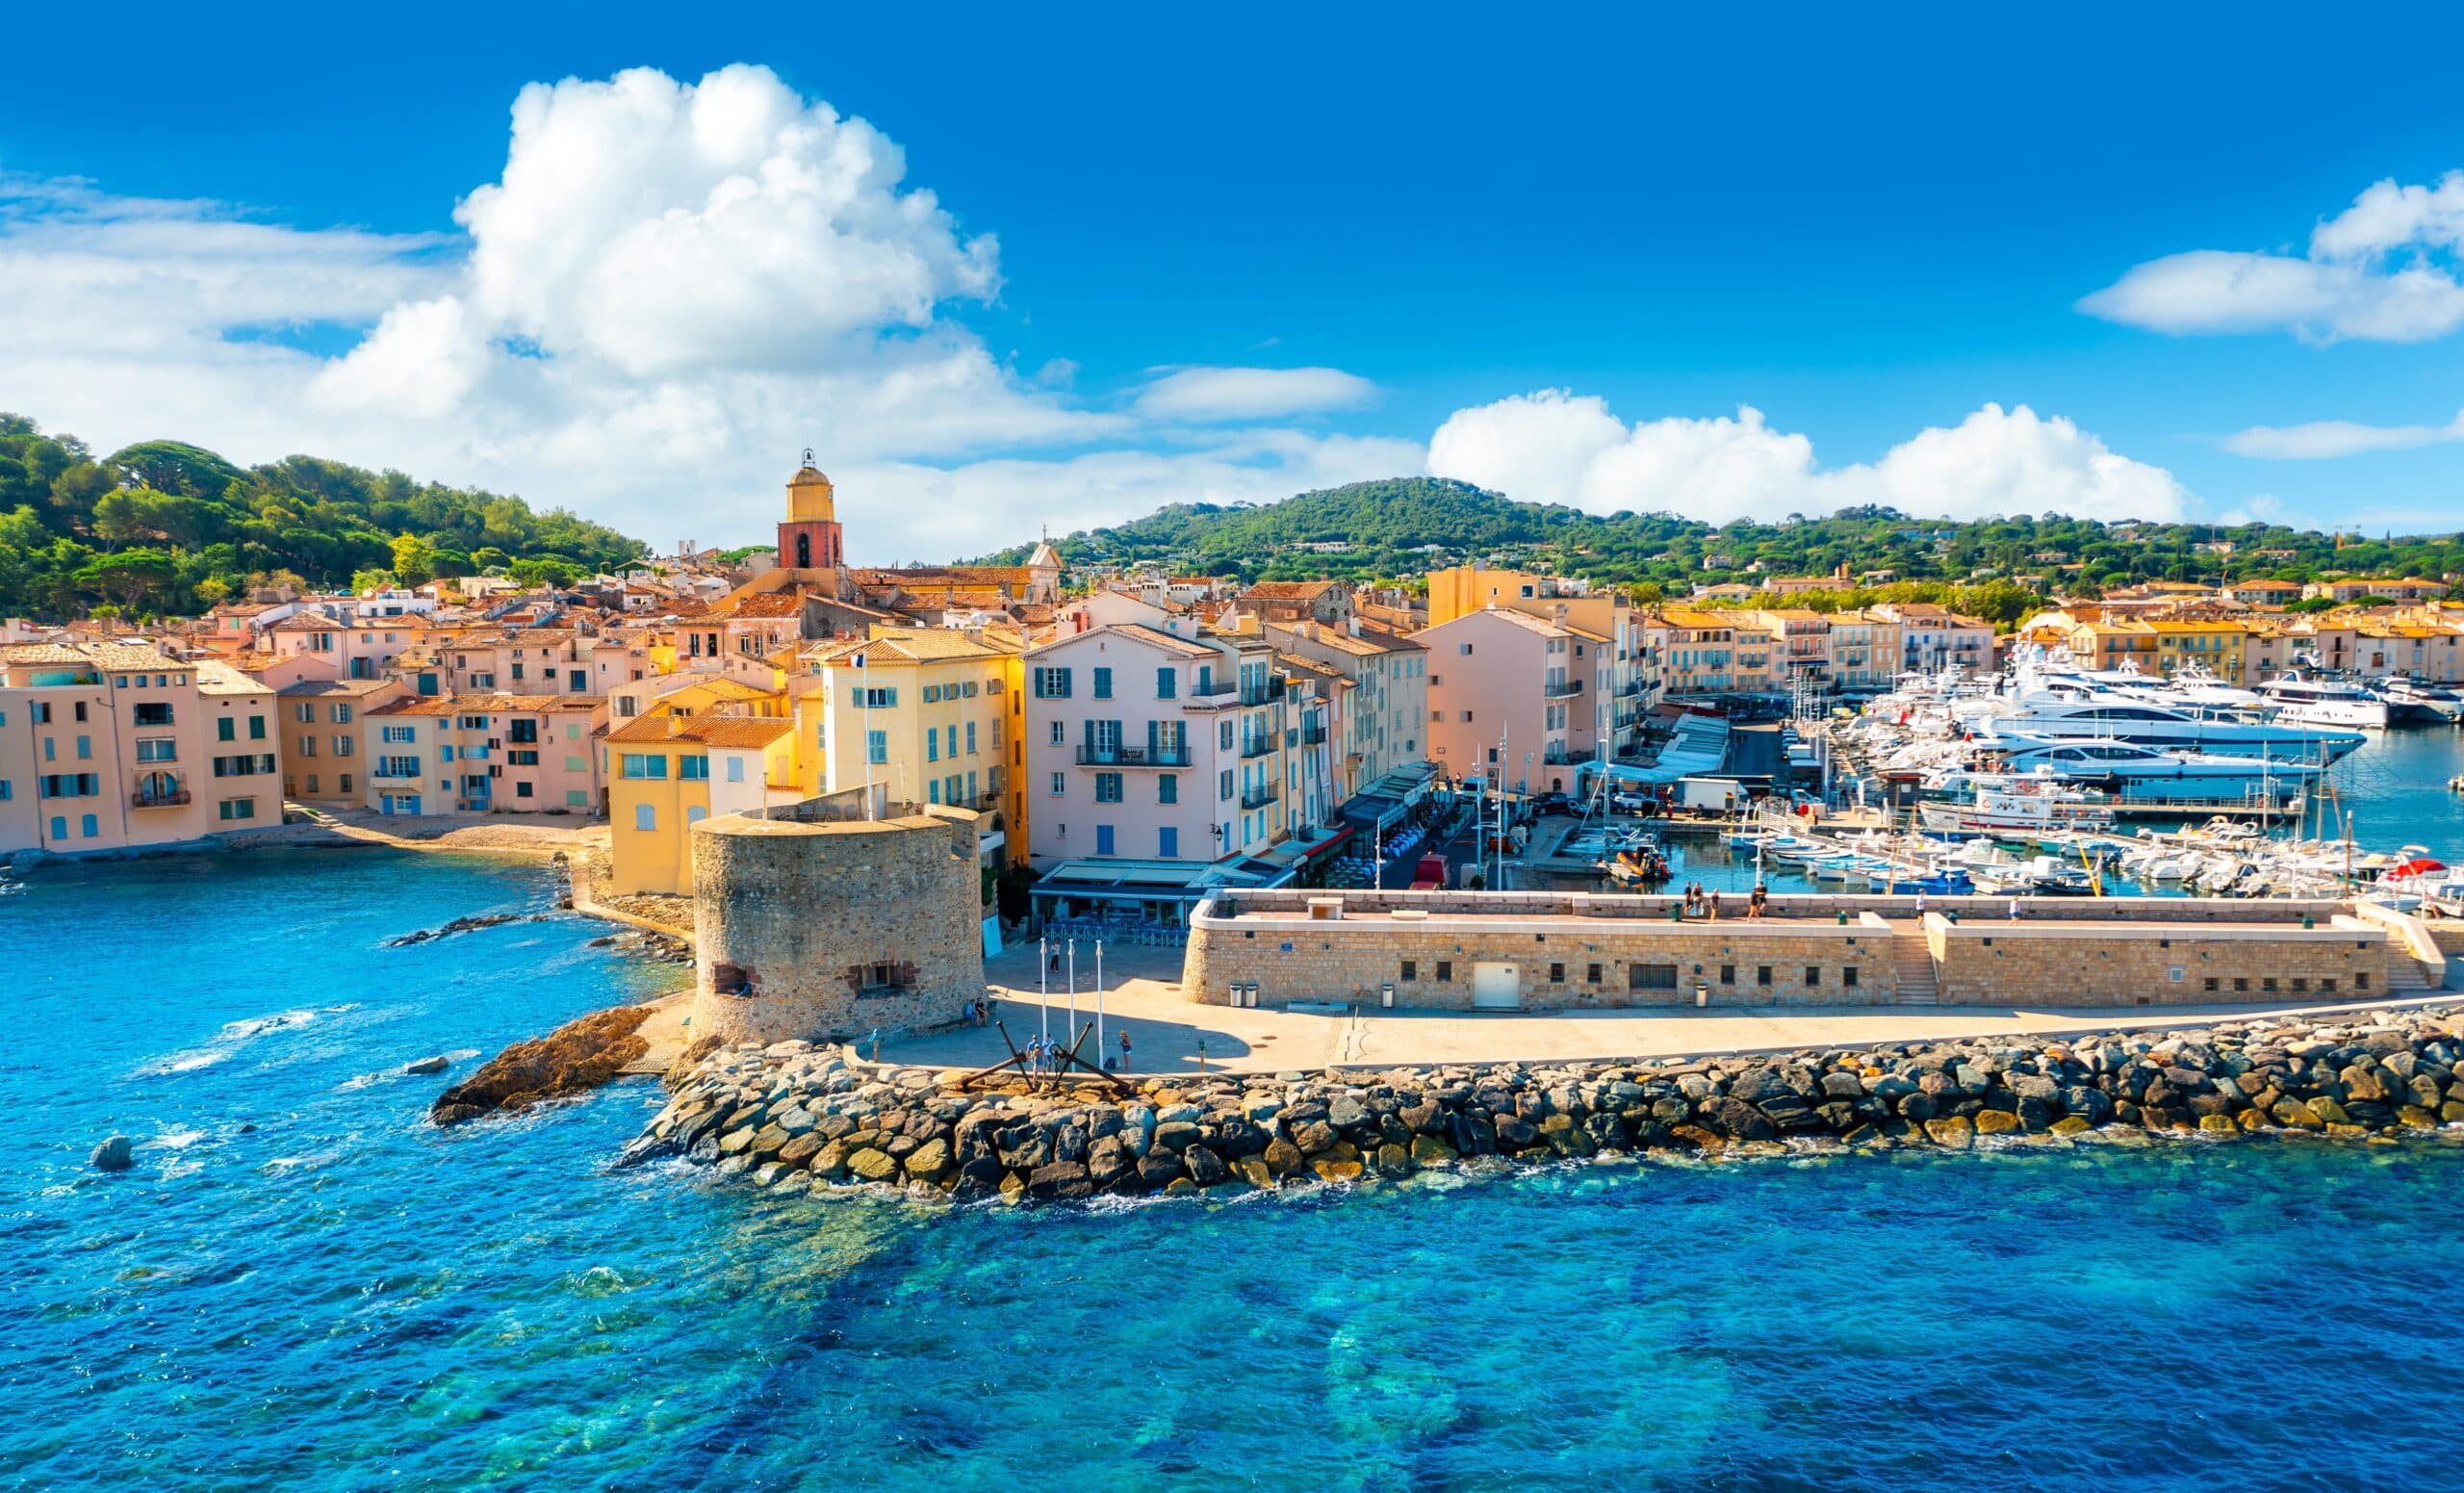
(1576,951)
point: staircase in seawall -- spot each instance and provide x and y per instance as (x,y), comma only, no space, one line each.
(2406,975)
(1916,984)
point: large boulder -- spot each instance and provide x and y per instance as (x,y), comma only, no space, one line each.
(1739,1121)
(117,1154)
(575,1058)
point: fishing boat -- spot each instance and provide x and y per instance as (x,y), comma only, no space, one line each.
(2025,807)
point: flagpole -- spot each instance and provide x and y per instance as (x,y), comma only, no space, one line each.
(1099,1002)
(864,720)
(1043,983)
(1071,1031)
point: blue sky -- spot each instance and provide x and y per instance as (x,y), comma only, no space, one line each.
(1864,233)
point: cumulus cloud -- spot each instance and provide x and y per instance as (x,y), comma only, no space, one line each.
(1203,395)
(2319,439)
(670,290)
(1555,447)
(980,505)
(2383,270)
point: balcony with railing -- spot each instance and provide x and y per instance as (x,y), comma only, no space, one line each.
(1263,795)
(1257,746)
(159,791)
(1133,756)
(1560,688)
(1222,694)
(1313,735)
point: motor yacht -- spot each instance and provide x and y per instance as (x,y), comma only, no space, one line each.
(2324,702)
(2417,702)
(2128,770)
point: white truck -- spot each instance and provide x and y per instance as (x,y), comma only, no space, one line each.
(1712,795)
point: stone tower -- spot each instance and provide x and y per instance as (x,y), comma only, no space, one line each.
(816,921)
(810,539)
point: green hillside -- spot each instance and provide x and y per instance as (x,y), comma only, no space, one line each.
(1389,529)
(167,528)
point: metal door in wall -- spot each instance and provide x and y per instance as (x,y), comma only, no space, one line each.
(1496,987)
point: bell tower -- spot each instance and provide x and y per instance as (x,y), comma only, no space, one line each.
(810,539)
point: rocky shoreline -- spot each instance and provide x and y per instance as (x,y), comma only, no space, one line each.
(797,1116)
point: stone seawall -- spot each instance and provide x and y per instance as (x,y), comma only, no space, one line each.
(796,1117)
(1552,951)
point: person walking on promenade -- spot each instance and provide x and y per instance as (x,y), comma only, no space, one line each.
(1920,906)
(1715,905)
(1124,1050)
(2014,910)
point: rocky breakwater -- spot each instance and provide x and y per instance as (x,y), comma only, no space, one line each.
(793,1116)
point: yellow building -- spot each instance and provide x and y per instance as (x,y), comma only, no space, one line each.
(667,773)
(934,714)
(2218,647)
(2110,644)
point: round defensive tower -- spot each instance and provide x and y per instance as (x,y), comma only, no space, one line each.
(818,922)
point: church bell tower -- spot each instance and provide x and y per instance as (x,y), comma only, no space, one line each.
(809,538)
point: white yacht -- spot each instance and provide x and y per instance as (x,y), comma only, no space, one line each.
(2324,702)
(2416,701)
(2129,770)
(2104,716)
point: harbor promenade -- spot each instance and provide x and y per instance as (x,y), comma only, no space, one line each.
(1145,995)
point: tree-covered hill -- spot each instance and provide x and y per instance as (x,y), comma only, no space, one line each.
(1402,527)
(163,528)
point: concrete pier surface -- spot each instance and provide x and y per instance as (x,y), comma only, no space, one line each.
(1143,995)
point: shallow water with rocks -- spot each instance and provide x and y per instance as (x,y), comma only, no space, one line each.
(301,1281)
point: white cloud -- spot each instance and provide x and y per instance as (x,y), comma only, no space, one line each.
(1554,447)
(661,227)
(2325,438)
(2382,270)
(2259,509)
(1203,395)
(982,506)
(670,291)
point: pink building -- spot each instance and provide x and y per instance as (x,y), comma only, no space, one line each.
(358,648)
(105,746)
(1143,744)
(485,754)
(1518,696)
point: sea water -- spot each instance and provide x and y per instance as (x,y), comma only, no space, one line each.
(304,1285)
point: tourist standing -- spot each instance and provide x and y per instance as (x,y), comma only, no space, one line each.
(1920,906)
(2014,910)
(1124,1050)
(1716,906)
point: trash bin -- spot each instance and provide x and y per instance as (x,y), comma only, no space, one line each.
(1702,994)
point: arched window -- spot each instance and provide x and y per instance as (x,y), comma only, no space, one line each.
(804,551)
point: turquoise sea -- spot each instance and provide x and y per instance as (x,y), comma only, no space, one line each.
(341,1297)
